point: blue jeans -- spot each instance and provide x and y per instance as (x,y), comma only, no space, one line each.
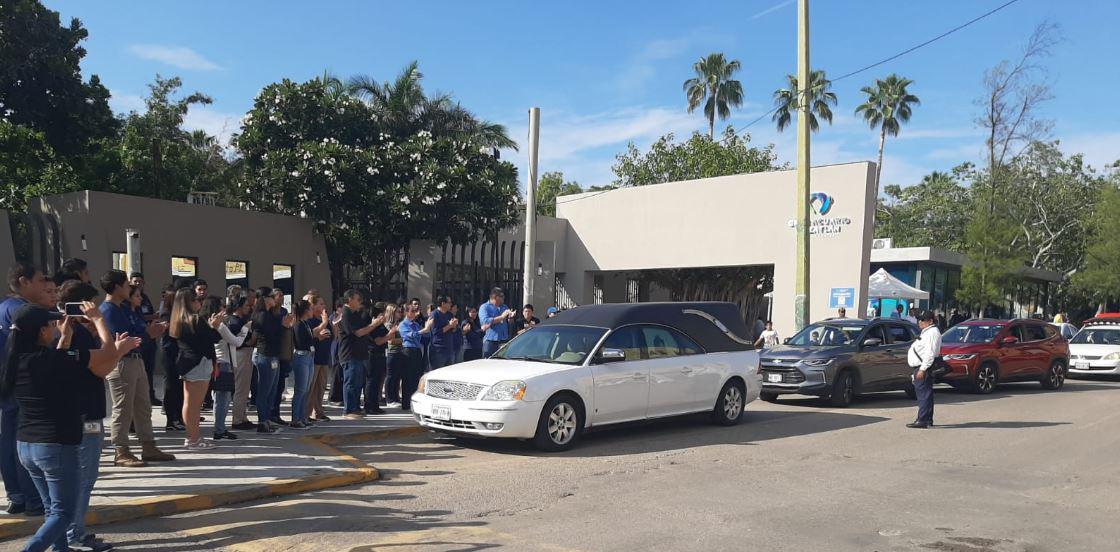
(222,400)
(491,347)
(89,458)
(438,357)
(55,471)
(924,389)
(17,482)
(353,381)
(267,376)
(303,366)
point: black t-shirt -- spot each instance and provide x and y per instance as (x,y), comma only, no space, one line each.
(322,346)
(350,346)
(520,323)
(92,388)
(377,333)
(304,339)
(47,390)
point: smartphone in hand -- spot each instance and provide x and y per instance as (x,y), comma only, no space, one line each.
(74,309)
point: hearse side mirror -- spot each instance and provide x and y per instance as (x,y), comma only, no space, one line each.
(1009,340)
(872,342)
(607,356)
(787,340)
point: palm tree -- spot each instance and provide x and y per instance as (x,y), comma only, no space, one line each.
(403,105)
(888,107)
(820,98)
(713,83)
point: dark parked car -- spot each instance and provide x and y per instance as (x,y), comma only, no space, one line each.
(839,359)
(984,353)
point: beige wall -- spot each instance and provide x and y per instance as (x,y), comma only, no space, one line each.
(212,234)
(726,221)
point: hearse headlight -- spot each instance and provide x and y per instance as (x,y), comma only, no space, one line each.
(1111,356)
(420,387)
(510,390)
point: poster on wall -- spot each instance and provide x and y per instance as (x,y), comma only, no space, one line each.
(184,267)
(236,270)
(842,297)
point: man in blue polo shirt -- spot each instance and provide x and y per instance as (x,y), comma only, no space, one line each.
(128,382)
(28,285)
(441,352)
(495,321)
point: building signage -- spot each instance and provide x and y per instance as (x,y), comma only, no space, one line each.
(841,297)
(821,205)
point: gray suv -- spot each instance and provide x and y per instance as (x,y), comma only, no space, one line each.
(838,359)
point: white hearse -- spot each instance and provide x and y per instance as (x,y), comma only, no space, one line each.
(597,365)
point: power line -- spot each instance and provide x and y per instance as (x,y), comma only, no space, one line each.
(868,67)
(890,58)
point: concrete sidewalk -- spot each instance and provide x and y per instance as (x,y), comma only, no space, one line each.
(253,466)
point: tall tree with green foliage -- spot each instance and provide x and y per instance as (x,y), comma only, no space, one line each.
(159,158)
(888,106)
(406,109)
(29,168)
(1013,93)
(714,87)
(820,98)
(932,213)
(550,186)
(309,151)
(670,161)
(41,85)
(1099,279)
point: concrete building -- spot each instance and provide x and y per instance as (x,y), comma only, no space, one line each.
(223,246)
(938,271)
(600,243)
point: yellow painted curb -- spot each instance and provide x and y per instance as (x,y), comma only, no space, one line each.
(177,504)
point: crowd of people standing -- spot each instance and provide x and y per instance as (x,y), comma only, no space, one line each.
(230,354)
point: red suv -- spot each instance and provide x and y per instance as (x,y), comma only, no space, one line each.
(984,353)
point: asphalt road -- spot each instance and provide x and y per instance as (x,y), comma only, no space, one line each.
(1020,470)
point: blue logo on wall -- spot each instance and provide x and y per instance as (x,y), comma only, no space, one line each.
(820,202)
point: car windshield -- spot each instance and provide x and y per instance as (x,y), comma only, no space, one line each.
(825,335)
(1097,336)
(972,333)
(558,344)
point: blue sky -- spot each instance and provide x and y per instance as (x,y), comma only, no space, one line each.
(607,73)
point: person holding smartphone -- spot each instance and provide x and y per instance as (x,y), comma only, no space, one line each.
(495,317)
(45,375)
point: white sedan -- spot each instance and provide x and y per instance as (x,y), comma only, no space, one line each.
(1096,348)
(594,366)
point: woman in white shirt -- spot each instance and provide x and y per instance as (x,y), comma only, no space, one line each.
(226,351)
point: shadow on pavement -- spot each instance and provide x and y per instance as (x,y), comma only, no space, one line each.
(683,432)
(951,395)
(998,425)
(329,512)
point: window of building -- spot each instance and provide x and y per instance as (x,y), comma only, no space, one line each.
(184,267)
(237,274)
(120,261)
(283,277)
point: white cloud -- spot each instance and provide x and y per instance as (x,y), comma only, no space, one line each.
(935,133)
(125,103)
(1098,148)
(584,146)
(215,123)
(175,56)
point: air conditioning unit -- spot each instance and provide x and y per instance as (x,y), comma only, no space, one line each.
(881,243)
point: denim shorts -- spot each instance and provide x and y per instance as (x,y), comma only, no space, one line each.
(204,371)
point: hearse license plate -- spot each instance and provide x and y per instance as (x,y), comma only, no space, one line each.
(442,413)
(774,378)
(1081,365)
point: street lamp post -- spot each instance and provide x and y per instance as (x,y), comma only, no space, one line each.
(801,289)
(529,262)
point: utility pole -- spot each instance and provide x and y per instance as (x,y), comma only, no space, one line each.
(801,290)
(530,257)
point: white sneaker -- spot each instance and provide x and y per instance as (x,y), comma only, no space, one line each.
(393,405)
(201,444)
